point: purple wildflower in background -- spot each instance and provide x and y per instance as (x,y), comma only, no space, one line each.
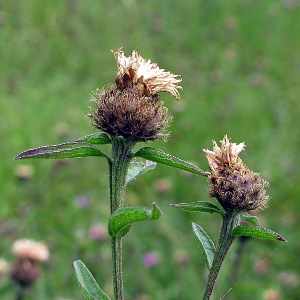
(151,259)
(97,232)
(82,201)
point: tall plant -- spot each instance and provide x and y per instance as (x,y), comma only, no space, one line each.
(127,113)
(130,112)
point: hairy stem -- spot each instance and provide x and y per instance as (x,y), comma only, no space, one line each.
(20,295)
(118,166)
(230,221)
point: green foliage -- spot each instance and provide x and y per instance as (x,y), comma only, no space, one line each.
(250,219)
(256,231)
(98,138)
(239,64)
(87,282)
(62,151)
(137,169)
(205,243)
(164,158)
(199,206)
(121,220)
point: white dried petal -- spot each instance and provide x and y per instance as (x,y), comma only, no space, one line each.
(141,71)
(228,153)
(29,249)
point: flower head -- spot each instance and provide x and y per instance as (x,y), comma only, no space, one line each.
(132,108)
(25,271)
(232,183)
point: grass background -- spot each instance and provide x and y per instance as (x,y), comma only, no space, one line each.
(240,65)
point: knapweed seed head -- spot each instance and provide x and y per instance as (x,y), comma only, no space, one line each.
(231,182)
(25,271)
(132,108)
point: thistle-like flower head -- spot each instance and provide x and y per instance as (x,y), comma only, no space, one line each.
(25,271)
(147,76)
(231,182)
(132,108)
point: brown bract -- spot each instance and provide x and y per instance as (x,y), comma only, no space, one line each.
(130,114)
(132,108)
(231,182)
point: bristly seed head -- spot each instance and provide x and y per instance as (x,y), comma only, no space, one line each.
(232,183)
(132,108)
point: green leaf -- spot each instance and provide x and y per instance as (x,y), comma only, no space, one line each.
(199,206)
(98,138)
(121,220)
(87,282)
(250,219)
(205,243)
(60,151)
(256,231)
(137,169)
(167,159)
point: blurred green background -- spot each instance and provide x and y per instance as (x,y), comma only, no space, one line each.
(240,65)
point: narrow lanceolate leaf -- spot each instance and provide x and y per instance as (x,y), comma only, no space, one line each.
(256,231)
(98,138)
(61,151)
(121,220)
(205,243)
(199,206)
(87,282)
(137,169)
(250,219)
(167,159)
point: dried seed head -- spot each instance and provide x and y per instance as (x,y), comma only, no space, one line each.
(132,107)
(232,183)
(25,271)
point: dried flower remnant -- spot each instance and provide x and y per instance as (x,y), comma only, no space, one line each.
(132,108)
(24,172)
(232,183)
(4,267)
(25,271)
(147,76)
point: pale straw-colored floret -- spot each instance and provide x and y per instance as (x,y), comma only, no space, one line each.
(144,71)
(29,249)
(4,267)
(228,153)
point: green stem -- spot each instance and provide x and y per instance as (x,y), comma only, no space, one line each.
(20,293)
(230,221)
(118,166)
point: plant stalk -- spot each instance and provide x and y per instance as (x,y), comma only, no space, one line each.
(231,219)
(118,166)
(20,295)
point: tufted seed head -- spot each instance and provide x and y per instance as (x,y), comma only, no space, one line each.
(132,108)
(231,182)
